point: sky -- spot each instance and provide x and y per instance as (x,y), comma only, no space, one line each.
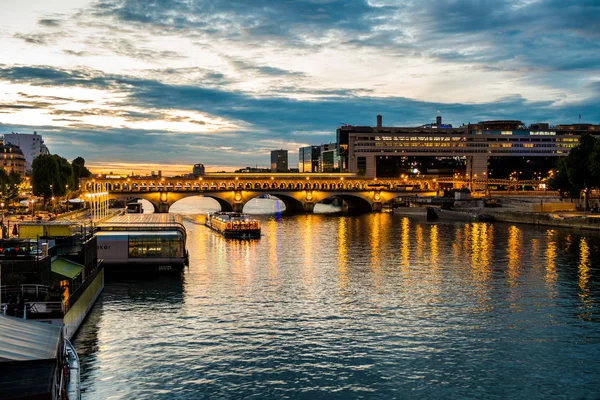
(145,85)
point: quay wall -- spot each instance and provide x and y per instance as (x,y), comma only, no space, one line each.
(583,221)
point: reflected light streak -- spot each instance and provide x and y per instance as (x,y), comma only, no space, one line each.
(551,275)
(308,245)
(342,267)
(481,239)
(419,241)
(434,287)
(405,244)
(514,254)
(271,233)
(375,241)
(535,249)
(584,278)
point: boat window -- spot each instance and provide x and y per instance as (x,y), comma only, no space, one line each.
(153,246)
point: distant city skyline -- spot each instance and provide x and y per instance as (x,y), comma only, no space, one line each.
(136,86)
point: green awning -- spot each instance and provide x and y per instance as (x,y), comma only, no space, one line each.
(66,268)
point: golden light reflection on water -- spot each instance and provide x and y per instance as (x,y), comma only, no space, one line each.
(405,244)
(434,288)
(550,256)
(375,241)
(584,279)
(271,233)
(420,242)
(342,265)
(535,253)
(307,245)
(514,247)
(482,239)
(433,243)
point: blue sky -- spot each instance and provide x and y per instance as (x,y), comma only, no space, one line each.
(141,85)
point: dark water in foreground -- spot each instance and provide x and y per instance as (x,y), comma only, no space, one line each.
(373,306)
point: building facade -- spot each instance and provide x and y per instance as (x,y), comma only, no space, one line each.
(279,161)
(12,158)
(32,145)
(308,159)
(381,151)
(198,170)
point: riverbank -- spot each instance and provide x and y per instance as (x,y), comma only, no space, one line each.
(551,212)
(574,220)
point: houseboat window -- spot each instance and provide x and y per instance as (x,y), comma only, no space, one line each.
(141,246)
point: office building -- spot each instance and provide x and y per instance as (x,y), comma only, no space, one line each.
(380,151)
(308,159)
(279,161)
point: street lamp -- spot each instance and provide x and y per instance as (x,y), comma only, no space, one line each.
(67,196)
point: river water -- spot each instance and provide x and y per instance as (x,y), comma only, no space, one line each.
(375,306)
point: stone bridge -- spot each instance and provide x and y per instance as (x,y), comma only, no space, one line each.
(299,192)
(232,192)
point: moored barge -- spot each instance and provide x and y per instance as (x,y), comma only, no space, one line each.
(142,242)
(233,225)
(51,273)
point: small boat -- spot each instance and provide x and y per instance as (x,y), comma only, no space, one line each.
(233,225)
(135,208)
(435,214)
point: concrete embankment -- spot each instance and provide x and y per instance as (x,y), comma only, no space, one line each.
(563,220)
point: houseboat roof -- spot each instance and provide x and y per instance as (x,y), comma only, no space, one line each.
(26,340)
(142,222)
(28,353)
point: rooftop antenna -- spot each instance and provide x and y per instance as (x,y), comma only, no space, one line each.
(579,118)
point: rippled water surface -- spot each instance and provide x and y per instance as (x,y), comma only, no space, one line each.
(371,306)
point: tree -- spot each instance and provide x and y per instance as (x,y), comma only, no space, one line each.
(580,169)
(44,173)
(79,169)
(51,175)
(9,186)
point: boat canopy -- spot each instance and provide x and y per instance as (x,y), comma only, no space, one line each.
(66,268)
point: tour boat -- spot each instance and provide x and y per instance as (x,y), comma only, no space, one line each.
(233,225)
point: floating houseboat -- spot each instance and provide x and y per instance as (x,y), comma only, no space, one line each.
(38,362)
(233,225)
(51,273)
(142,242)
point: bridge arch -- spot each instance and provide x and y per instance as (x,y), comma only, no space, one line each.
(356,204)
(291,204)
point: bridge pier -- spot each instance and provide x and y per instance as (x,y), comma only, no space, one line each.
(308,206)
(377,206)
(162,208)
(238,207)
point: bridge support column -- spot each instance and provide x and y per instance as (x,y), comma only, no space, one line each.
(238,207)
(308,206)
(162,208)
(377,206)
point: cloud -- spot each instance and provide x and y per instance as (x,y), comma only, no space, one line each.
(38,39)
(50,22)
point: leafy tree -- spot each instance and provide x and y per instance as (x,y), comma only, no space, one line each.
(9,186)
(580,169)
(66,175)
(79,169)
(44,173)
